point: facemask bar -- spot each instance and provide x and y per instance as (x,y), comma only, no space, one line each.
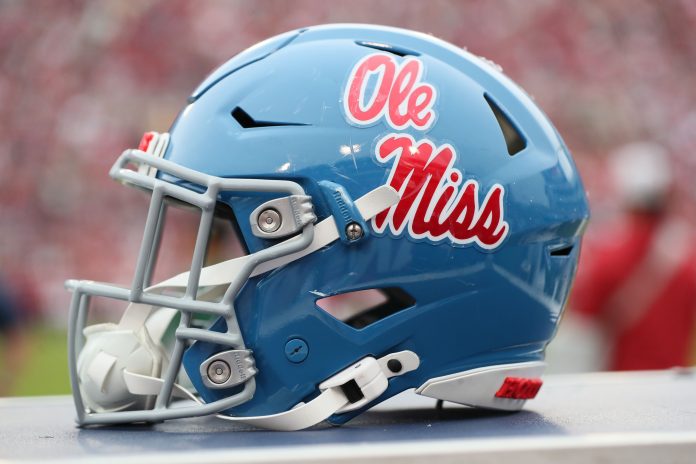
(187,304)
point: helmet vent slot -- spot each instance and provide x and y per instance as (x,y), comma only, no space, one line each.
(362,308)
(514,139)
(562,251)
(394,50)
(247,122)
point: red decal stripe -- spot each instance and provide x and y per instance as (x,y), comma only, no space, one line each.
(519,388)
(145,141)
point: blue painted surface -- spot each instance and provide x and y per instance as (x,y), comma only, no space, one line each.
(473,307)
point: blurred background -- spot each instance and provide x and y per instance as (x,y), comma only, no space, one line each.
(81,81)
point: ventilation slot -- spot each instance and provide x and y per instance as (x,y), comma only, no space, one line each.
(365,307)
(398,51)
(513,138)
(247,122)
(562,251)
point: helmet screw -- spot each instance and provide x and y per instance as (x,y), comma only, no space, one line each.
(269,220)
(219,372)
(354,231)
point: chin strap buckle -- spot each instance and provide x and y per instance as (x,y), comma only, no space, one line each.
(368,378)
(352,388)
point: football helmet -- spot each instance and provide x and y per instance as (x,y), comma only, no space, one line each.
(410,220)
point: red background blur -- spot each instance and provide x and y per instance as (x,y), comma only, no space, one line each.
(81,81)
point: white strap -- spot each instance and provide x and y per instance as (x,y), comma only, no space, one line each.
(300,417)
(325,232)
(366,373)
(139,384)
(158,322)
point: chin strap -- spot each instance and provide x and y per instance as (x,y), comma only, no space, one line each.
(350,389)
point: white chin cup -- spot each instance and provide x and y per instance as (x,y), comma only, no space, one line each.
(110,350)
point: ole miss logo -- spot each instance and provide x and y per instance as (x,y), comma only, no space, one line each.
(437,202)
(399,96)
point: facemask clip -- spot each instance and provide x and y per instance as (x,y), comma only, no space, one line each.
(282,217)
(228,369)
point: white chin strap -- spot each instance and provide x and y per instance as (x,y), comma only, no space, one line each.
(370,374)
(350,389)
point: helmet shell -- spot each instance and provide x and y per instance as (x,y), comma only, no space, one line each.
(473,306)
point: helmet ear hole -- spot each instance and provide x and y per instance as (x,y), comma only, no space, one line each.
(362,308)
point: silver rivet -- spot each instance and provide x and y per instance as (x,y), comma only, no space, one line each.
(269,220)
(354,231)
(219,372)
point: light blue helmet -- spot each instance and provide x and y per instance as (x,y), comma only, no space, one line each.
(409,218)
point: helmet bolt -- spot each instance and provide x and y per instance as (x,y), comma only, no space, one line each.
(269,220)
(354,231)
(219,372)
